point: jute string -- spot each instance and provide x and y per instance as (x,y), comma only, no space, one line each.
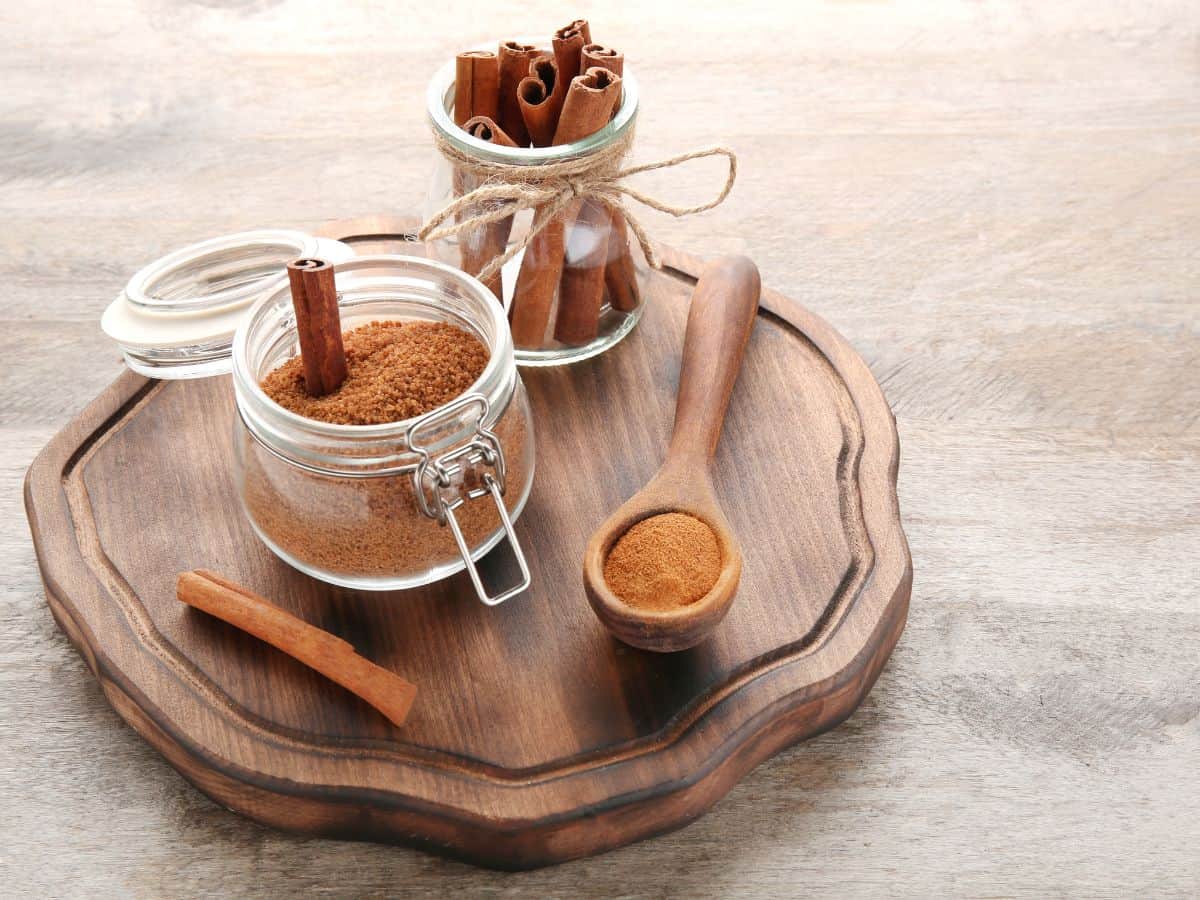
(506,189)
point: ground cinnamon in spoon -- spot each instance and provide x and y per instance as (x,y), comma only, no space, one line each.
(664,562)
(395,370)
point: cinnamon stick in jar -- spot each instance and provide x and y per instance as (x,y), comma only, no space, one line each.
(318,325)
(486,129)
(476,85)
(539,97)
(568,44)
(585,256)
(620,273)
(515,60)
(581,285)
(604,57)
(487,242)
(587,108)
(476,93)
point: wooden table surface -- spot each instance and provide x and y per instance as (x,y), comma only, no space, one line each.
(998,204)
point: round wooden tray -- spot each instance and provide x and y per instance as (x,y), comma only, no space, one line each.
(536,737)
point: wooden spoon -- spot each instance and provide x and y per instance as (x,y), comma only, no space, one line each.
(723,308)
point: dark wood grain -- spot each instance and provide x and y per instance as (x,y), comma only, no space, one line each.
(537,737)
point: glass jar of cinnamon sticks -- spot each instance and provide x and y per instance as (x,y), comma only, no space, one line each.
(574,287)
(365,506)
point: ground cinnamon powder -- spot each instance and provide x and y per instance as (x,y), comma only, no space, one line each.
(395,370)
(664,562)
(367,528)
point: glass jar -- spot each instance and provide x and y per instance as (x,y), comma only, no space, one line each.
(396,505)
(566,304)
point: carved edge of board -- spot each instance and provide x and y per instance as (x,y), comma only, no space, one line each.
(379,815)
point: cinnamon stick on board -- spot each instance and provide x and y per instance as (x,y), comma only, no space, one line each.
(317,649)
(539,97)
(515,59)
(486,243)
(620,274)
(476,85)
(318,325)
(587,108)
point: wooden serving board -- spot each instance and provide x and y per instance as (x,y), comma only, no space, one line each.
(536,737)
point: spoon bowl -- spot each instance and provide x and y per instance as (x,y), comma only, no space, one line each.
(721,317)
(671,629)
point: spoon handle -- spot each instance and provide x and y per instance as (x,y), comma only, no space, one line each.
(722,313)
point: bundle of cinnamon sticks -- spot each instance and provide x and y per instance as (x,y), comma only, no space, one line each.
(522,96)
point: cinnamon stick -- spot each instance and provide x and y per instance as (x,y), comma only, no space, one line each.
(587,108)
(326,653)
(486,243)
(581,285)
(476,85)
(486,129)
(318,325)
(604,57)
(539,97)
(589,104)
(620,274)
(568,44)
(476,93)
(515,59)
(585,256)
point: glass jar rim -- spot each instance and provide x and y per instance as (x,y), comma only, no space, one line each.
(491,381)
(441,88)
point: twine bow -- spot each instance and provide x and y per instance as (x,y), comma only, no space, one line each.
(506,189)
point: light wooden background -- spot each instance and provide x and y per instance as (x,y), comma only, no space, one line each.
(998,204)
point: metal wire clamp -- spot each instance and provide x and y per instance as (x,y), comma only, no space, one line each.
(441,483)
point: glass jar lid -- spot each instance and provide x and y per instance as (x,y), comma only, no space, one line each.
(177,316)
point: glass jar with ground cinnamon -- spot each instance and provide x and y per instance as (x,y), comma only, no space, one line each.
(418,463)
(574,287)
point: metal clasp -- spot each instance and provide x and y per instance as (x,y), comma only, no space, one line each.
(449,490)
